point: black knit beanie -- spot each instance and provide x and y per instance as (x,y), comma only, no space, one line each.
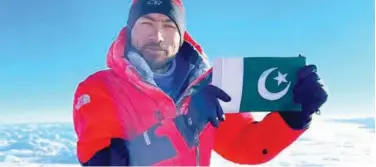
(174,9)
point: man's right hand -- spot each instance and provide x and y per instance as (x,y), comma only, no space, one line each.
(204,106)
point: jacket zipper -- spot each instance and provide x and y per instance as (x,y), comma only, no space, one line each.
(196,133)
(179,102)
(178,105)
(197,143)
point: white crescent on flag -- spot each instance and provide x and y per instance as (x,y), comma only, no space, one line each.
(264,92)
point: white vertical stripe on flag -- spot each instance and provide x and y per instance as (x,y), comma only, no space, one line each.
(228,75)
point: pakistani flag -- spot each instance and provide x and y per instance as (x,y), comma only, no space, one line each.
(258,83)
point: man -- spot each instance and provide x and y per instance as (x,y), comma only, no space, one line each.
(155,104)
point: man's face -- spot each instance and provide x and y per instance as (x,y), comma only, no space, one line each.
(157,38)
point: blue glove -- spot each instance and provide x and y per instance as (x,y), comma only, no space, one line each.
(204,106)
(309,92)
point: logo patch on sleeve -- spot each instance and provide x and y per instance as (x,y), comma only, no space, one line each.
(82,100)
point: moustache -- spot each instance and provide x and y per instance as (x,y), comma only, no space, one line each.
(158,46)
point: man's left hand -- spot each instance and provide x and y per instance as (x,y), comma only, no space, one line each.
(310,93)
(309,90)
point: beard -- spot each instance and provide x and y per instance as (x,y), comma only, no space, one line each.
(156,55)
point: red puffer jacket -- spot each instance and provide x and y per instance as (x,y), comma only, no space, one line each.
(122,120)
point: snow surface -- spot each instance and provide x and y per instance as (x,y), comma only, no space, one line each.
(330,142)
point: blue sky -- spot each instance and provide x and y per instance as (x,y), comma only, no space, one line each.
(48,46)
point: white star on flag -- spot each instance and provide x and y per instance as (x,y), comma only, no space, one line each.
(281,78)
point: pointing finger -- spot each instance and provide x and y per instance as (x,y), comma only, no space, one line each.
(219,93)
